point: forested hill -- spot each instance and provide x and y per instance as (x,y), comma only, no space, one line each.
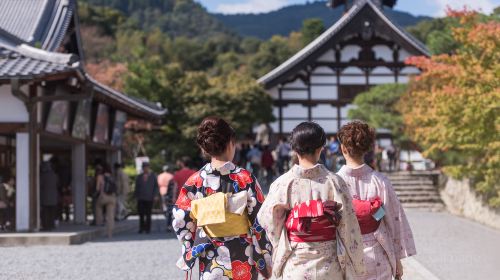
(176,18)
(290,18)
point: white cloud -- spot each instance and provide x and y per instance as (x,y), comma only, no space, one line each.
(251,6)
(485,6)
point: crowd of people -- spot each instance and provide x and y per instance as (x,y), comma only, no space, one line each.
(313,224)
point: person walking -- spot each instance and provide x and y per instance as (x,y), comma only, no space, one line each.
(181,175)
(387,236)
(106,200)
(122,191)
(7,198)
(283,150)
(146,190)
(308,216)
(215,216)
(49,195)
(168,189)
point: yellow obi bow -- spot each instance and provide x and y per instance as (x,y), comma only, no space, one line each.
(221,214)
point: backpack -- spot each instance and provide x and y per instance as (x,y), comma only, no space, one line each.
(109,185)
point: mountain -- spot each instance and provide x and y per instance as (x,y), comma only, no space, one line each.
(174,17)
(290,18)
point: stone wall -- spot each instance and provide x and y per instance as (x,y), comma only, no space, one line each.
(461,200)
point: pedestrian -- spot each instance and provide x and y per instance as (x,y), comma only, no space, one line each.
(379,151)
(332,152)
(7,197)
(181,175)
(168,189)
(391,154)
(49,195)
(387,237)
(268,165)
(228,242)
(146,190)
(106,199)
(309,218)
(123,189)
(283,150)
(254,157)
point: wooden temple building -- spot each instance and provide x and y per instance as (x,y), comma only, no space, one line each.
(362,49)
(49,105)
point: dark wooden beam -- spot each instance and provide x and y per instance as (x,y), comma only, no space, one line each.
(65,97)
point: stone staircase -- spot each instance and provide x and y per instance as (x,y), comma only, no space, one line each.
(418,189)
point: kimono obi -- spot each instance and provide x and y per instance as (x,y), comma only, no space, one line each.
(369,214)
(307,222)
(222,214)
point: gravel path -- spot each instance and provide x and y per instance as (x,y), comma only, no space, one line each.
(126,256)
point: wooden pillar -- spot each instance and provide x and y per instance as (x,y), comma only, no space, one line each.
(79,182)
(280,109)
(34,206)
(22,182)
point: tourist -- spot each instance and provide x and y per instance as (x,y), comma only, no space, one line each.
(146,190)
(168,189)
(7,198)
(332,152)
(49,196)
(228,242)
(268,165)
(387,237)
(123,189)
(181,175)
(106,198)
(309,218)
(283,150)
(391,154)
(254,157)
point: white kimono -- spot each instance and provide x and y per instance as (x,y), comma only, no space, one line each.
(393,240)
(336,259)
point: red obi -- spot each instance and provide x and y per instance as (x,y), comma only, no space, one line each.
(309,212)
(365,209)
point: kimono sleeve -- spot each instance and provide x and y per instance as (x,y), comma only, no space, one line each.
(272,214)
(262,247)
(397,223)
(185,227)
(349,245)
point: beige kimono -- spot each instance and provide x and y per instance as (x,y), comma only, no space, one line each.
(337,259)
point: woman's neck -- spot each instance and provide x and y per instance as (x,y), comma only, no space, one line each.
(354,162)
(218,162)
(307,162)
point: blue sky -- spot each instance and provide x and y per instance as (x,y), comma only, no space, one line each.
(416,7)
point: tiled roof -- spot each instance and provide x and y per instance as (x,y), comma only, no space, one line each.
(37,22)
(25,62)
(324,38)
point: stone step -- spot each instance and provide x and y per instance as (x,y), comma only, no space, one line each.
(416,193)
(415,188)
(420,199)
(412,182)
(427,206)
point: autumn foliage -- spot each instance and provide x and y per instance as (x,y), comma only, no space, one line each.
(452,110)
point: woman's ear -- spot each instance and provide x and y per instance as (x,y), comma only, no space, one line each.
(344,150)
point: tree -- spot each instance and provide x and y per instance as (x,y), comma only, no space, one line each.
(311,29)
(377,107)
(453,107)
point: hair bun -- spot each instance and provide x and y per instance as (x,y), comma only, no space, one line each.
(214,134)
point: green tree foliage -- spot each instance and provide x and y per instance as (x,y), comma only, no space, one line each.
(311,29)
(191,96)
(377,107)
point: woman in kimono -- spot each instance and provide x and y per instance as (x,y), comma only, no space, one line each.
(308,216)
(387,237)
(215,213)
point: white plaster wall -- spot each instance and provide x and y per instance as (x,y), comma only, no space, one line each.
(11,108)
(294,94)
(323,79)
(298,83)
(345,109)
(330,126)
(410,70)
(323,70)
(383,52)
(273,92)
(403,54)
(289,125)
(295,111)
(349,52)
(324,92)
(378,80)
(328,56)
(324,111)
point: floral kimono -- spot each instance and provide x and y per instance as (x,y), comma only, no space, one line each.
(393,239)
(335,259)
(234,257)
